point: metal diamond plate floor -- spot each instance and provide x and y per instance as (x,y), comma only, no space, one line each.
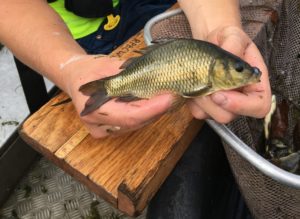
(47,192)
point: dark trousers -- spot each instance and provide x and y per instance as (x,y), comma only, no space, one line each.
(134,15)
(201,186)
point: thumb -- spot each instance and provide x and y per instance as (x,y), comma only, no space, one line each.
(232,39)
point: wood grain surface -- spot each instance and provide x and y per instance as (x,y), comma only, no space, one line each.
(125,170)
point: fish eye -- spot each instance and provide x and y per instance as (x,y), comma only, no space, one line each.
(239,67)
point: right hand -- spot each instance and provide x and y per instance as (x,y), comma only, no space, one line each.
(113,117)
(252,100)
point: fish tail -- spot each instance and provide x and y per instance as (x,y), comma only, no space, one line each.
(98,96)
(92,87)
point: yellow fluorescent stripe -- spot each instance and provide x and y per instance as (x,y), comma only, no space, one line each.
(79,26)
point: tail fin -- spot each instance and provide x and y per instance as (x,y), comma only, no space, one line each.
(92,87)
(98,96)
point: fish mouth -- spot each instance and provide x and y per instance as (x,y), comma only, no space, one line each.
(255,78)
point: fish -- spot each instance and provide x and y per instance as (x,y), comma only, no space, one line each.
(187,68)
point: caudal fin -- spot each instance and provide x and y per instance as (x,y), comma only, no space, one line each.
(98,96)
(92,87)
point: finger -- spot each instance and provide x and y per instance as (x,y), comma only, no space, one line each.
(99,131)
(213,110)
(235,41)
(124,130)
(252,104)
(253,57)
(232,39)
(131,114)
(196,111)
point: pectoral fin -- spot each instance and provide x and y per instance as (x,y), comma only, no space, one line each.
(162,40)
(129,62)
(200,91)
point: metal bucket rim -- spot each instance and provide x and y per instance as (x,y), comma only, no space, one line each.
(263,165)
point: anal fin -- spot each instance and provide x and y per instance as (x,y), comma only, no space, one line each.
(94,102)
(128,98)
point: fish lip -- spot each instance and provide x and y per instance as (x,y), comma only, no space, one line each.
(254,78)
(257,78)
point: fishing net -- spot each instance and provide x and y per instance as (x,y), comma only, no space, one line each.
(275,28)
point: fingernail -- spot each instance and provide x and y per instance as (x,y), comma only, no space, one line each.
(219,99)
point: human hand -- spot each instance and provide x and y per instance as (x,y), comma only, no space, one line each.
(113,117)
(252,100)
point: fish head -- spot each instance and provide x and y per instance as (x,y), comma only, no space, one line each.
(233,72)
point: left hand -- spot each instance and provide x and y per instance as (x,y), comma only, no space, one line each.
(252,100)
(113,118)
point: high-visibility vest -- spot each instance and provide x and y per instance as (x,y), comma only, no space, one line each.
(79,25)
(89,8)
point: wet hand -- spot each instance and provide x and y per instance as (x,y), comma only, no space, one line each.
(253,100)
(113,117)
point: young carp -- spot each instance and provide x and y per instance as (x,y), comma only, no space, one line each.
(186,67)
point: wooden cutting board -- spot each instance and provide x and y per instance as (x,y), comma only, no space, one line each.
(127,170)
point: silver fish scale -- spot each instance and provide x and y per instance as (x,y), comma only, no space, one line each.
(180,67)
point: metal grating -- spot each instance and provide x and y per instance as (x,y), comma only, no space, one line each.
(47,192)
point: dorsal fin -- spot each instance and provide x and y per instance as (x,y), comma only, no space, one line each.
(147,49)
(143,51)
(162,41)
(128,62)
(140,52)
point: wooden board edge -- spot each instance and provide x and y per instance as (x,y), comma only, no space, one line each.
(134,202)
(85,180)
